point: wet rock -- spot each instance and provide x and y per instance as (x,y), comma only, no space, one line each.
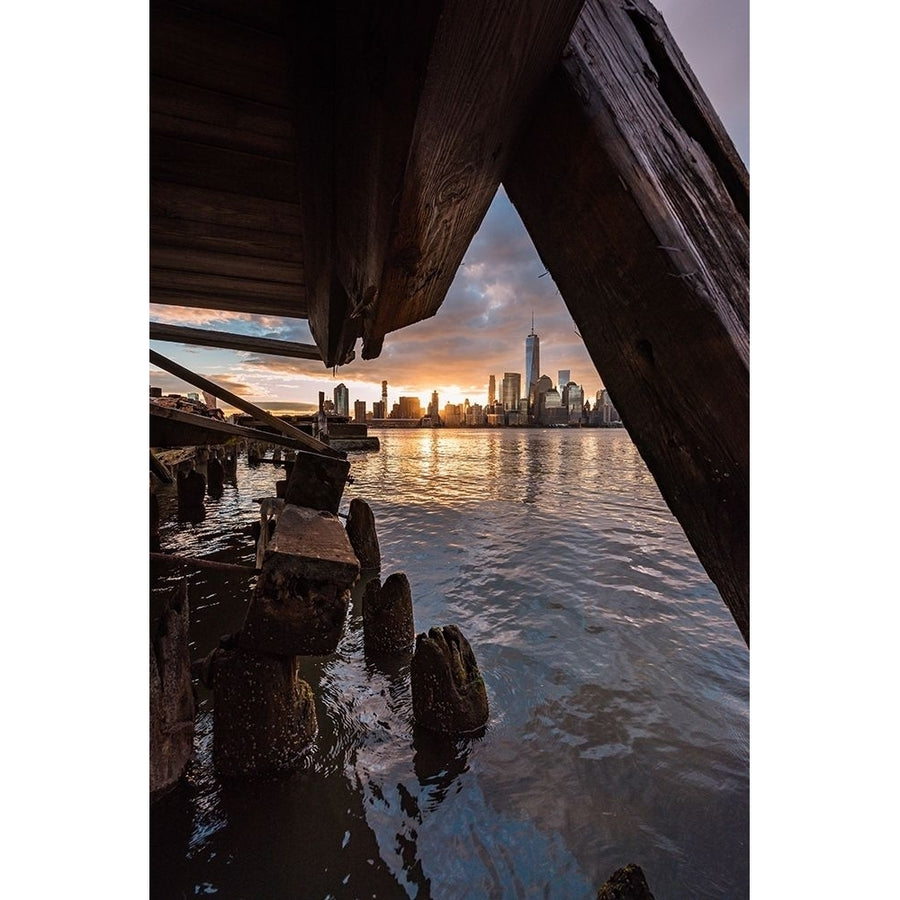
(317,482)
(300,603)
(627,883)
(448,692)
(171,695)
(362,535)
(387,613)
(264,716)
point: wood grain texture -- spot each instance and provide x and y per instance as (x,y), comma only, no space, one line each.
(486,63)
(638,210)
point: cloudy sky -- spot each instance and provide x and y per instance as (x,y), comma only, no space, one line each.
(481,327)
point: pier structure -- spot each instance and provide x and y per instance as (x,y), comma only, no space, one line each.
(331,165)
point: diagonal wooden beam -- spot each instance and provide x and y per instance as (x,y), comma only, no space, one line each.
(202,337)
(637,204)
(261,415)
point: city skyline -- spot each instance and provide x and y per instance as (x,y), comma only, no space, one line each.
(487,311)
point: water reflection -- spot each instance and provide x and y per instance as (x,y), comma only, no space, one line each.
(617,683)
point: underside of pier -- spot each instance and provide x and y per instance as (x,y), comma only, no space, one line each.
(333,163)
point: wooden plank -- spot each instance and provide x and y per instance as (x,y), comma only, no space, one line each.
(212,52)
(231,265)
(175,428)
(245,343)
(227,208)
(167,231)
(224,136)
(408,111)
(643,232)
(199,165)
(261,415)
(186,101)
(217,286)
(241,303)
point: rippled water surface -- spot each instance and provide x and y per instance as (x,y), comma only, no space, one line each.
(617,682)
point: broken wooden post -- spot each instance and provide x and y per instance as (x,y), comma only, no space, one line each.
(191,493)
(215,477)
(448,692)
(637,203)
(317,482)
(301,600)
(171,695)
(388,628)
(363,537)
(264,716)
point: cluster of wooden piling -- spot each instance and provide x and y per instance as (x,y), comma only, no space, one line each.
(264,715)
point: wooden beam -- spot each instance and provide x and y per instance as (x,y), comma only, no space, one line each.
(174,428)
(486,65)
(173,368)
(242,303)
(204,338)
(637,204)
(405,115)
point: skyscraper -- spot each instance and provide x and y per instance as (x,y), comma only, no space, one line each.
(510,390)
(492,391)
(532,360)
(342,400)
(563,377)
(384,405)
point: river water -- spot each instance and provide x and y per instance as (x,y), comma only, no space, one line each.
(617,682)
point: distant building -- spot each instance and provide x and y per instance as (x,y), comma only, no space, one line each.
(410,408)
(342,400)
(532,362)
(379,411)
(511,390)
(453,415)
(384,405)
(434,409)
(492,390)
(359,410)
(475,415)
(608,415)
(574,403)
(563,377)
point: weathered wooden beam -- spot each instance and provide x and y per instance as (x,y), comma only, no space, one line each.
(486,64)
(408,110)
(637,204)
(203,338)
(197,298)
(179,371)
(174,428)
